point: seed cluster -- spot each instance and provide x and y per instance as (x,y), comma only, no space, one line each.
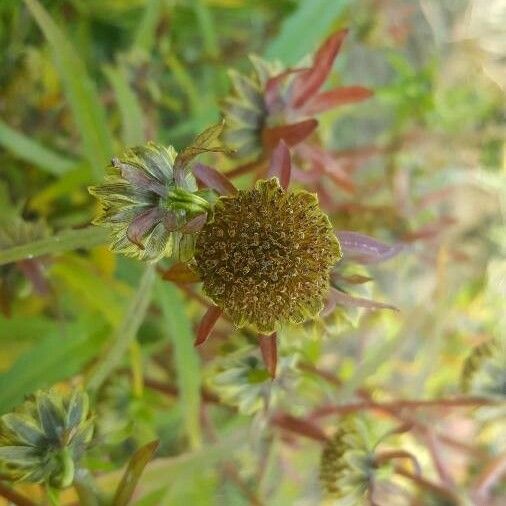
(266,255)
(347,466)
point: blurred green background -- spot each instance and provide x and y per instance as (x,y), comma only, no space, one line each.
(81,79)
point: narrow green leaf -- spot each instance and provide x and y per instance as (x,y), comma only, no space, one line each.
(207,28)
(52,359)
(126,332)
(133,473)
(186,360)
(163,472)
(81,278)
(80,90)
(302,31)
(31,151)
(186,83)
(67,240)
(145,35)
(132,120)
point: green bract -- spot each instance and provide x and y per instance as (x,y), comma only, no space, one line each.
(266,255)
(149,197)
(43,440)
(245,111)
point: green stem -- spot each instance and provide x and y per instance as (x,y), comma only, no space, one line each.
(64,241)
(188,201)
(126,332)
(67,475)
(85,488)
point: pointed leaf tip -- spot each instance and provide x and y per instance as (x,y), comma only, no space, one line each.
(344,299)
(214,179)
(132,474)
(339,96)
(308,83)
(207,324)
(364,249)
(180,273)
(269,348)
(281,164)
(292,134)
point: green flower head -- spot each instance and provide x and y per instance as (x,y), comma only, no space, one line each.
(240,379)
(44,439)
(347,463)
(149,199)
(266,255)
(245,110)
(484,370)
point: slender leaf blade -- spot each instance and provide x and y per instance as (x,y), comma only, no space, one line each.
(186,359)
(80,90)
(301,32)
(31,151)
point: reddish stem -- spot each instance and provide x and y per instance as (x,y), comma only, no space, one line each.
(426,484)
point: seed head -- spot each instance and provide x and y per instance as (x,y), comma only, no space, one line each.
(347,462)
(266,255)
(43,439)
(241,380)
(484,370)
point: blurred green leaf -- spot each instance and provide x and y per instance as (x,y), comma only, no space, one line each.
(82,94)
(207,28)
(146,29)
(133,473)
(31,151)
(66,240)
(53,359)
(127,330)
(302,31)
(132,121)
(83,279)
(163,472)
(186,360)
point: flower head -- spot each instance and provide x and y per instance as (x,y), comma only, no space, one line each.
(246,109)
(484,371)
(347,463)
(45,437)
(241,379)
(265,256)
(149,199)
(275,103)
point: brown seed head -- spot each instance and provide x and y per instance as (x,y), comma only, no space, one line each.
(265,257)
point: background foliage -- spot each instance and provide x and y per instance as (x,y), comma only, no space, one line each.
(80,80)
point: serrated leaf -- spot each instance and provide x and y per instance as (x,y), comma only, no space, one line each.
(201,144)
